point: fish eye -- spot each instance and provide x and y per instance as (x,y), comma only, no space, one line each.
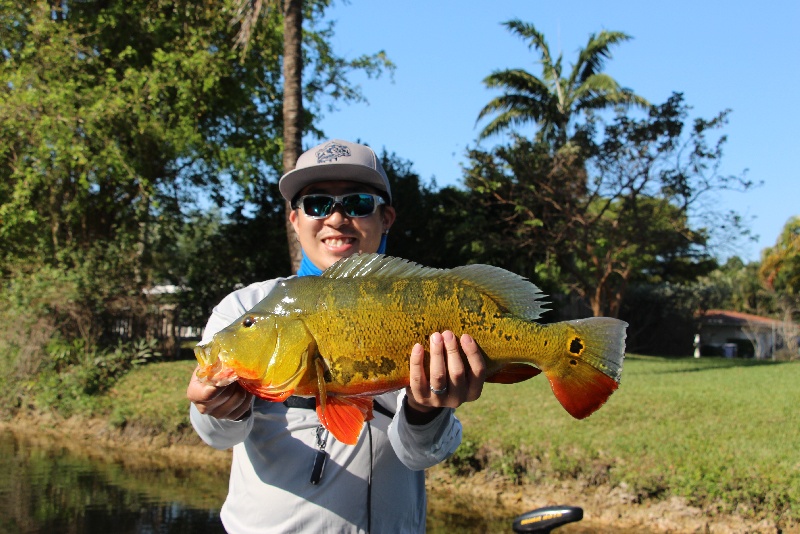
(248,322)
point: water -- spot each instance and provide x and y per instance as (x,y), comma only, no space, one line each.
(48,489)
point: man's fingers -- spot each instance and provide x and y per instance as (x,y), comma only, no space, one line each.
(418,382)
(455,362)
(476,375)
(228,402)
(438,365)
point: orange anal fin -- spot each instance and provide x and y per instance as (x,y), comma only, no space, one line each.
(513,373)
(345,416)
(583,389)
(257,388)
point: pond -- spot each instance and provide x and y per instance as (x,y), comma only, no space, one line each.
(46,488)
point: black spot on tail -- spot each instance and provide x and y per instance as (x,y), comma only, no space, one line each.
(576,346)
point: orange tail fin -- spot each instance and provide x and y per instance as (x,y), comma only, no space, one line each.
(345,416)
(589,370)
(582,393)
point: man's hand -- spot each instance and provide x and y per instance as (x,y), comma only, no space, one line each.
(453,379)
(229,402)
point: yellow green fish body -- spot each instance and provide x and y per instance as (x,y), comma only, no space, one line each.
(347,335)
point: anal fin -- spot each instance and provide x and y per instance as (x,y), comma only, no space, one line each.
(513,373)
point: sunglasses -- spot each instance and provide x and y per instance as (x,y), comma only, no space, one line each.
(354,204)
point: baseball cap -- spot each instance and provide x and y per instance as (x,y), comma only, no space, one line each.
(335,160)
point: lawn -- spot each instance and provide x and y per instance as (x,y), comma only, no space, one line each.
(723,433)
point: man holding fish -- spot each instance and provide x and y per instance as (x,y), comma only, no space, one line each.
(289,472)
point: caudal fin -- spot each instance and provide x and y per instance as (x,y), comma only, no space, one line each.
(591,367)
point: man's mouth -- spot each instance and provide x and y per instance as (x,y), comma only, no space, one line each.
(336,242)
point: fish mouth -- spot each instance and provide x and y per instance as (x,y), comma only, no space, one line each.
(212,368)
(206,355)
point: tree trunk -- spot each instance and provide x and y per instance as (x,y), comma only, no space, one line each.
(292,104)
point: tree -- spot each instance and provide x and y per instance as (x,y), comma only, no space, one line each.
(780,273)
(292,106)
(633,219)
(247,16)
(116,116)
(294,119)
(780,264)
(551,100)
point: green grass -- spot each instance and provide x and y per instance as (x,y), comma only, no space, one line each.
(153,398)
(723,433)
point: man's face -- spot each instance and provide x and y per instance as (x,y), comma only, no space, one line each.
(338,236)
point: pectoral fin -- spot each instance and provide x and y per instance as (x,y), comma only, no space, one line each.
(344,416)
(257,388)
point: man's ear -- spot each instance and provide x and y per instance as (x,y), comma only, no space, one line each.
(293,220)
(389,215)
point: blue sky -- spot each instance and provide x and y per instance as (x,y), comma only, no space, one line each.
(743,56)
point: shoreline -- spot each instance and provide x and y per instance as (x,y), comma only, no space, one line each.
(606,509)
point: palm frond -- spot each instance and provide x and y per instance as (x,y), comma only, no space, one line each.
(246,15)
(516,80)
(593,56)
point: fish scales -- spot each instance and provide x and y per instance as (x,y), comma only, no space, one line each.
(400,313)
(348,335)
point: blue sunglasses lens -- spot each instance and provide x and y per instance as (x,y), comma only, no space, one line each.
(354,205)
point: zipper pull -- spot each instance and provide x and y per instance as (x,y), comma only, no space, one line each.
(319,458)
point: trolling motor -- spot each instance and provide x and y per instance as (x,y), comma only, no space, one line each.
(543,520)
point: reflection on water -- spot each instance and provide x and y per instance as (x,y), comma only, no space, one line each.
(51,490)
(44,488)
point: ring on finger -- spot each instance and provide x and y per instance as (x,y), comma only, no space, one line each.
(439,391)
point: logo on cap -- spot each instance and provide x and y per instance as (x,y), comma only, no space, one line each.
(332,152)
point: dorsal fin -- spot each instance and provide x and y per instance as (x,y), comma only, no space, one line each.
(379,266)
(510,291)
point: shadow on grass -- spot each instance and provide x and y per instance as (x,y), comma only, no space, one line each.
(696,365)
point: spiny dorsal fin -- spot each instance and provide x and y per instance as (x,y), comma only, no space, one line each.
(510,291)
(378,265)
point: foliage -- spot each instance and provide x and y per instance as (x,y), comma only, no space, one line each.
(434,227)
(76,373)
(734,286)
(213,255)
(552,100)
(626,216)
(780,267)
(115,117)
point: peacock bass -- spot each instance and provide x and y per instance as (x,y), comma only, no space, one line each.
(347,335)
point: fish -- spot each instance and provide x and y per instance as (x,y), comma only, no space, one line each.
(347,335)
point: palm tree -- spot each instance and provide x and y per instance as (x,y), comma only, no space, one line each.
(247,14)
(551,101)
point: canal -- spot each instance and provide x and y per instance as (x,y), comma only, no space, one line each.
(48,487)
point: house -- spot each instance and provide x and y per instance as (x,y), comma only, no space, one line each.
(730,333)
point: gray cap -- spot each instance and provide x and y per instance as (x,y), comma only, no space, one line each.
(335,160)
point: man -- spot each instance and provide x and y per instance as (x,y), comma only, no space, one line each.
(288,473)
